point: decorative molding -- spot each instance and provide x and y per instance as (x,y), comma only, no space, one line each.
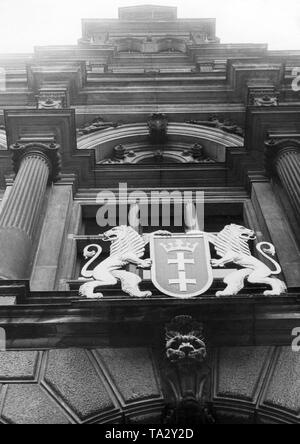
(137,133)
(263,96)
(148,44)
(217,122)
(50,98)
(57,75)
(95,126)
(130,154)
(204,67)
(197,154)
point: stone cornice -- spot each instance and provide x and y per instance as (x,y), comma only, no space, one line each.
(226,313)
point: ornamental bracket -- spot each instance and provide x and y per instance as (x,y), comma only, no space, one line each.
(186,374)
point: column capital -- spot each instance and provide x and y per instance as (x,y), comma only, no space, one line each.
(48,152)
(275,149)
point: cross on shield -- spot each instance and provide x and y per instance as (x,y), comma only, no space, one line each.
(181,265)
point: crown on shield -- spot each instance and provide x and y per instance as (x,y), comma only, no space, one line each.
(179,245)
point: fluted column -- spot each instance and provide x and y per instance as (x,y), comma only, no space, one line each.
(35,164)
(283,160)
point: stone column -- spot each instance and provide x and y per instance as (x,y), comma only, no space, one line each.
(283,160)
(35,164)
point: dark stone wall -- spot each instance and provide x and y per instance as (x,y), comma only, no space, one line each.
(79,386)
(257,384)
(249,385)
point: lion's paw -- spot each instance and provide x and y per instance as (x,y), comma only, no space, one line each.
(95,296)
(147,263)
(220,294)
(145,294)
(273,292)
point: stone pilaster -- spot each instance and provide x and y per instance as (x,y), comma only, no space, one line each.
(36,164)
(283,160)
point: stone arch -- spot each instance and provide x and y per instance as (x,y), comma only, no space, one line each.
(215,141)
(249,385)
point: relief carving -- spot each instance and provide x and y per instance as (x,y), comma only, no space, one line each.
(96,125)
(226,125)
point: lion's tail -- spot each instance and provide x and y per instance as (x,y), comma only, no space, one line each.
(266,249)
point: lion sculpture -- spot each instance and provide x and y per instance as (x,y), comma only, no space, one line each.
(231,245)
(127,247)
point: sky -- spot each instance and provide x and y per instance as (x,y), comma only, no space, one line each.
(28,23)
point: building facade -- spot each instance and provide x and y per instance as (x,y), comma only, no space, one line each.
(148,104)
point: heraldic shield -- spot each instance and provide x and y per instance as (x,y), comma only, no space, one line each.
(181,265)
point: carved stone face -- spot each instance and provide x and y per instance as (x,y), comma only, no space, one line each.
(185,347)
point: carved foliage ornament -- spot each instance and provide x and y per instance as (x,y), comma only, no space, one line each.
(96,125)
(217,122)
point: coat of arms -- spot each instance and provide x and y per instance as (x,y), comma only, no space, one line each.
(181,265)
